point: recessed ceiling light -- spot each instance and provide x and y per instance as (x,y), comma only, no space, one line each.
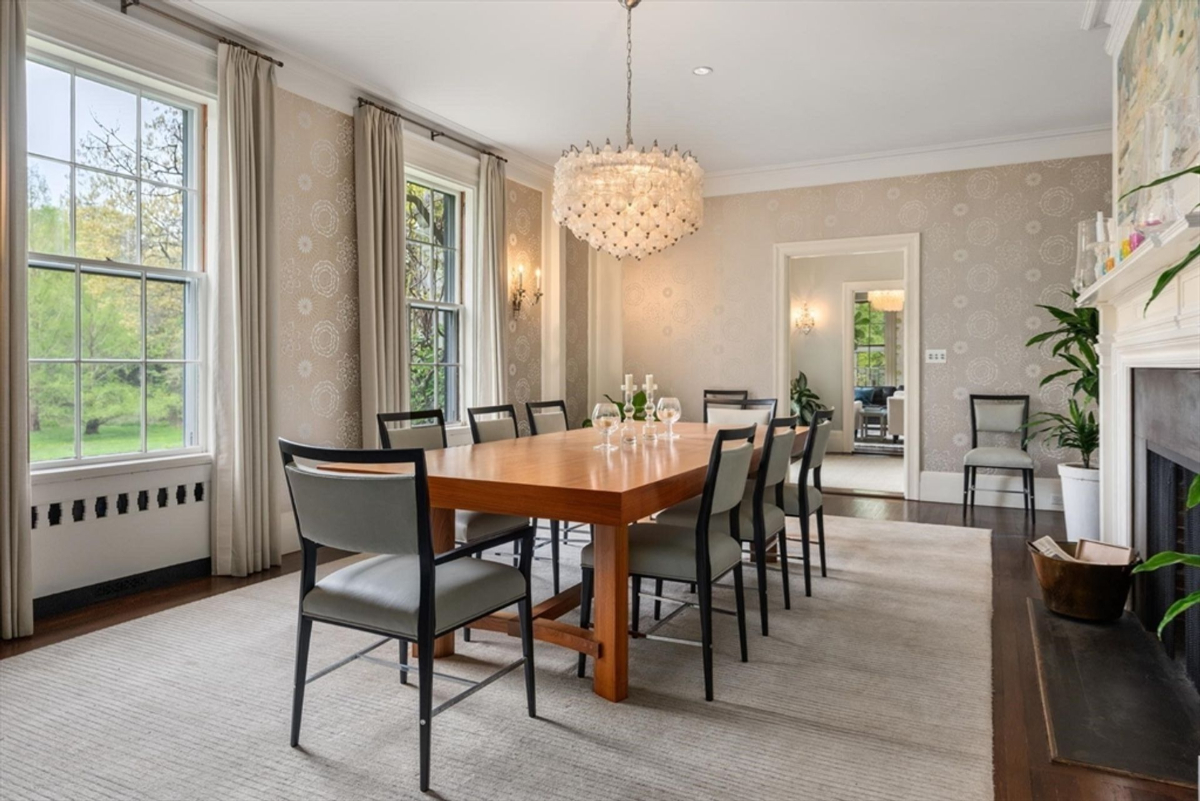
(703,71)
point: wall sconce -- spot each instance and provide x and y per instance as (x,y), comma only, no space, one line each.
(804,321)
(519,292)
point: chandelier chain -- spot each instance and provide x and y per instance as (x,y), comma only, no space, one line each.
(629,75)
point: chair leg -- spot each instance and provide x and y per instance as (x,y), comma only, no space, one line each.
(403,661)
(692,588)
(517,549)
(585,611)
(781,538)
(425,690)
(739,591)
(635,609)
(1032,500)
(821,537)
(303,635)
(974,481)
(706,644)
(526,615)
(658,589)
(467,634)
(966,488)
(760,564)
(554,553)
(804,551)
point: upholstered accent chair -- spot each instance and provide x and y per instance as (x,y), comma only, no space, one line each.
(404,591)
(1000,415)
(803,500)
(758,411)
(895,415)
(701,552)
(762,520)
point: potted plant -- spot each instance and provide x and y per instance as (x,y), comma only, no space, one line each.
(805,402)
(1079,431)
(1075,341)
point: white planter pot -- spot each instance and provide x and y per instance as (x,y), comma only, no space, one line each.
(1081,500)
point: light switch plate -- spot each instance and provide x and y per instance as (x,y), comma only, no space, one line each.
(935,356)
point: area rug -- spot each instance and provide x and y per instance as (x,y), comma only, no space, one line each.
(877,687)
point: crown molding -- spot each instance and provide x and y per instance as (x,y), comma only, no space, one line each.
(1119,14)
(966,155)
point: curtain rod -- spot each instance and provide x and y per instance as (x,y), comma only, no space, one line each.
(433,133)
(125,4)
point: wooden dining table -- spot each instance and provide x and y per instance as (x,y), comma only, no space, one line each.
(562,476)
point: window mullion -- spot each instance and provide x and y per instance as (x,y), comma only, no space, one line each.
(78,355)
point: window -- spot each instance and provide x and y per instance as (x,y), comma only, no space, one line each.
(114,281)
(877,338)
(433,284)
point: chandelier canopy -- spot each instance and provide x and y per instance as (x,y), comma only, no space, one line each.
(626,201)
(886,300)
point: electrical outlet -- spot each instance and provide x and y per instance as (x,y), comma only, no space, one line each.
(935,356)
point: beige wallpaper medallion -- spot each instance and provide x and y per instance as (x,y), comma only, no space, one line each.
(523,221)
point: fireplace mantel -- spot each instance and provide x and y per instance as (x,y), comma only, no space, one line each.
(1167,335)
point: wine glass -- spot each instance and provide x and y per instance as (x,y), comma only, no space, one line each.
(605,418)
(669,411)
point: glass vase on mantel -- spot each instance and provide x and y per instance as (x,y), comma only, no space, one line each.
(1171,143)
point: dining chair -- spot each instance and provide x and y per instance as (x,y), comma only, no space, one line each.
(759,411)
(999,414)
(404,591)
(761,511)
(500,425)
(726,394)
(701,551)
(550,417)
(426,429)
(803,500)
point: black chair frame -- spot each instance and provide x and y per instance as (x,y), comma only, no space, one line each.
(971,473)
(703,568)
(426,630)
(383,418)
(752,403)
(556,526)
(730,394)
(820,416)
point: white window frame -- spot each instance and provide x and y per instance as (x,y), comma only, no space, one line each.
(466,285)
(193,275)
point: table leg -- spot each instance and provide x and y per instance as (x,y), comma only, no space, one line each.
(442,523)
(611,612)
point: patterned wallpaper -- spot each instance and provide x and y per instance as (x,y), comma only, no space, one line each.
(315,366)
(575,272)
(994,242)
(523,221)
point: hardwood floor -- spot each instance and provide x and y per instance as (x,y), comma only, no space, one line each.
(1022,759)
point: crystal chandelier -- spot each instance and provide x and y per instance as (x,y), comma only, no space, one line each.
(628,202)
(886,300)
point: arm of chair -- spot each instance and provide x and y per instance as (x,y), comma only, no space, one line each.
(525,534)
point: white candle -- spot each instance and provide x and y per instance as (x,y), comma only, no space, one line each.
(538,276)
(628,382)
(649,385)
(1101,234)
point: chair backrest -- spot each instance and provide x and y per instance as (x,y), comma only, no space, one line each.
(427,437)
(728,470)
(758,411)
(777,454)
(503,426)
(547,417)
(364,513)
(999,414)
(726,394)
(814,446)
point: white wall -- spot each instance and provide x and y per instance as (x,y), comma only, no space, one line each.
(818,281)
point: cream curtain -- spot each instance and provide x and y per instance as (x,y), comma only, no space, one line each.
(382,327)
(490,297)
(16,566)
(243,537)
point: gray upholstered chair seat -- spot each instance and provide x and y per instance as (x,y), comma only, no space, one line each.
(685,514)
(473,526)
(383,593)
(998,457)
(669,552)
(791,499)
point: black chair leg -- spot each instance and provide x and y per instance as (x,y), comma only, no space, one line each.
(635,609)
(526,615)
(692,588)
(1032,500)
(804,551)
(974,480)
(517,550)
(467,634)
(821,537)
(554,553)
(739,591)
(403,661)
(425,690)
(585,611)
(303,635)
(706,645)
(658,588)
(966,488)
(760,564)
(781,538)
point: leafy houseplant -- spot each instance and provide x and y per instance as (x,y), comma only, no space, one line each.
(1166,558)
(805,402)
(1167,275)
(1074,430)
(1075,343)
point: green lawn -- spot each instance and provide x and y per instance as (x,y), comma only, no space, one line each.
(58,442)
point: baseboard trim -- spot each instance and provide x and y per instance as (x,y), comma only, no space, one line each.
(948,488)
(78,598)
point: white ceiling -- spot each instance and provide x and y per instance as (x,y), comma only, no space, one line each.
(793,81)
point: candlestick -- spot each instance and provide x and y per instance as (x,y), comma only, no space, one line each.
(628,386)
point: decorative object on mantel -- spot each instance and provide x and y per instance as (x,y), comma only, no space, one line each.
(519,292)
(805,320)
(628,202)
(886,300)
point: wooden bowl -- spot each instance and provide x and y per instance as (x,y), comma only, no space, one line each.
(1080,590)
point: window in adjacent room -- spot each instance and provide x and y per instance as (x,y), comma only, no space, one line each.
(114,275)
(433,282)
